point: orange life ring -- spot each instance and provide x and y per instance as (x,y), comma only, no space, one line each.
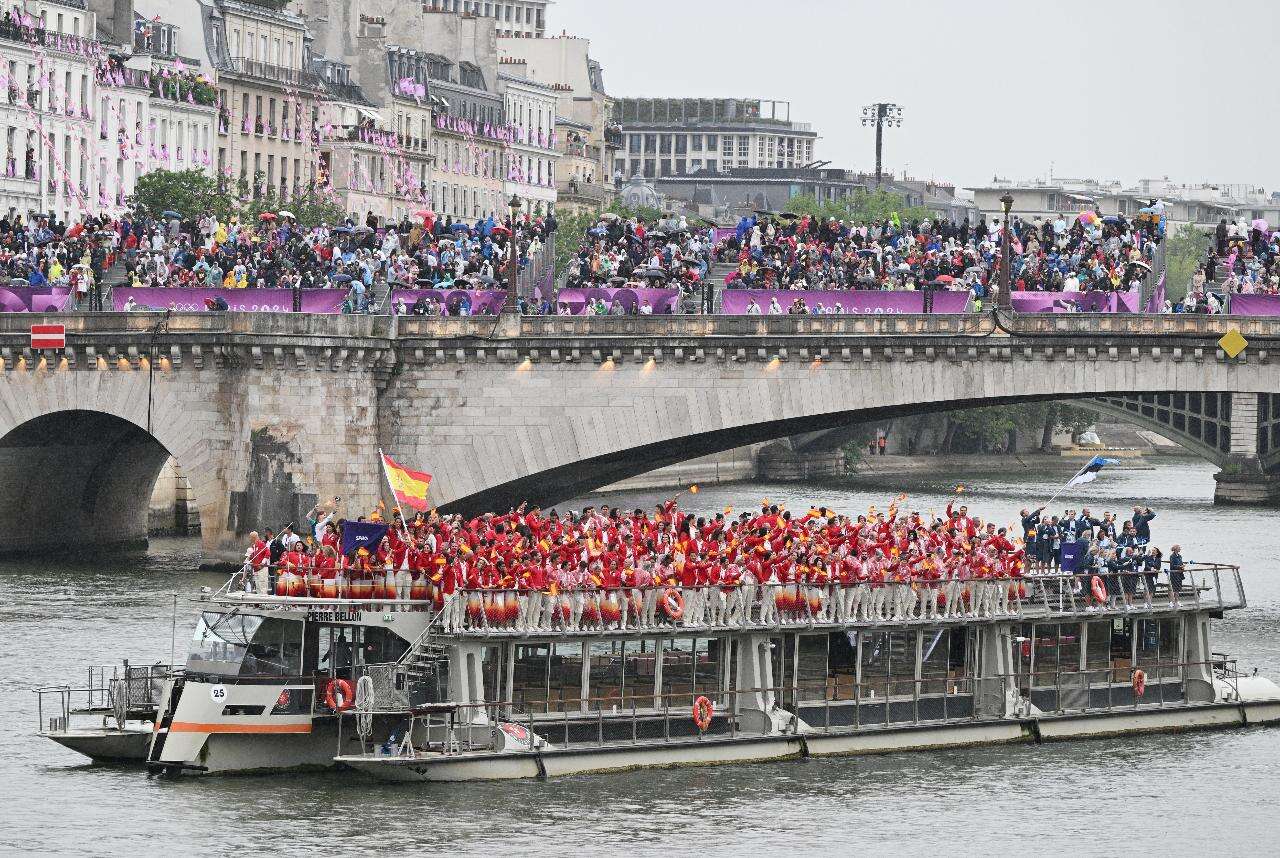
(338,695)
(673,603)
(1139,682)
(1098,588)
(703,709)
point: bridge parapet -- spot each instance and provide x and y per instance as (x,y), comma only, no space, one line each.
(1102,325)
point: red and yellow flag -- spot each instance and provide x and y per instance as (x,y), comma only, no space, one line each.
(409,487)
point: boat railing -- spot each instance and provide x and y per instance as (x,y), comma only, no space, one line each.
(123,691)
(1203,586)
(495,611)
(831,706)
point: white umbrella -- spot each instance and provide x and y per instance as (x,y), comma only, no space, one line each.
(287,214)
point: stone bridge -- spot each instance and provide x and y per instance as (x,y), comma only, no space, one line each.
(266,413)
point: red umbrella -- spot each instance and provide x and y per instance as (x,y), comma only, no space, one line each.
(945,278)
(501,229)
(425,213)
(266,216)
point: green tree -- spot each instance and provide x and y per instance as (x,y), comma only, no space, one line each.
(188,192)
(859,207)
(648,214)
(1184,253)
(570,235)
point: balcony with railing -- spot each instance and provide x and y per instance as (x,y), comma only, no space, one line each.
(276,74)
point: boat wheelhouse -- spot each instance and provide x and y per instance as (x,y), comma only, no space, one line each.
(505,684)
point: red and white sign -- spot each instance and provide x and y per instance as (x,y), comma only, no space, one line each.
(48,337)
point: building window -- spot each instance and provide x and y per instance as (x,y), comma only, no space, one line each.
(695,142)
(633,144)
(711,142)
(682,144)
(664,144)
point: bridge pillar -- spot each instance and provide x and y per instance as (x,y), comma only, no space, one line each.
(1242,480)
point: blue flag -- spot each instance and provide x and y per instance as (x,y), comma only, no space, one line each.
(362,534)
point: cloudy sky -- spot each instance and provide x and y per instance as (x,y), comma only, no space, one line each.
(1123,89)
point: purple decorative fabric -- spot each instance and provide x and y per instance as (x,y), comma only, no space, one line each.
(1255,305)
(191,300)
(661,300)
(26,299)
(734,302)
(1084,302)
(487,302)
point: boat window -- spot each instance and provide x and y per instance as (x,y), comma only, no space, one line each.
(1148,649)
(382,646)
(875,663)
(935,660)
(335,649)
(690,667)
(1057,651)
(811,668)
(275,649)
(564,686)
(1171,647)
(842,664)
(1098,651)
(621,675)
(902,663)
(220,642)
(604,680)
(529,678)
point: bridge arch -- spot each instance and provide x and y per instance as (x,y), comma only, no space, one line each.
(497,434)
(80,453)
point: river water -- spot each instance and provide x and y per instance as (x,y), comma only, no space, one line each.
(1199,793)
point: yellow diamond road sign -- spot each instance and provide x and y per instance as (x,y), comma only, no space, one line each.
(1233,342)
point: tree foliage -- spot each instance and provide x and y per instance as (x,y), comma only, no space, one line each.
(648,214)
(859,207)
(1184,252)
(990,429)
(570,235)
(191,193)
(188,192)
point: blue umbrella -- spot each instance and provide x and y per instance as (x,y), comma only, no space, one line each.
(460,227)
(170,213)
(343,230)
(342,278)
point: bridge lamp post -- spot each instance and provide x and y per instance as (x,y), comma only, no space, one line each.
(513,265)
(881,114)
(1005,301)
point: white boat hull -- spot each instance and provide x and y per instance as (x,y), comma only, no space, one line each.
(549,762)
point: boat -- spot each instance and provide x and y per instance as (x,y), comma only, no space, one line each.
(502,684)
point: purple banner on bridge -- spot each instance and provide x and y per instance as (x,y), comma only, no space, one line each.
(27,299)
(483,302)
(734,302)
(1255,305)
(720,233)
(661,300)
(1083,302)
(192,300)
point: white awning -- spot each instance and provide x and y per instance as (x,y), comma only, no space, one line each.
(371,115)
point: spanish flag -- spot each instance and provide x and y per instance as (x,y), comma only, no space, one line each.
(409,487)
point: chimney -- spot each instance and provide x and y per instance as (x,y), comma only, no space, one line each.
(115,17)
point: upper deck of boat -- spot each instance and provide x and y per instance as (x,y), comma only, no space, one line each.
(505,614)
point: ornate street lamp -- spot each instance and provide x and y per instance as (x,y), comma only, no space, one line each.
(1005,301)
